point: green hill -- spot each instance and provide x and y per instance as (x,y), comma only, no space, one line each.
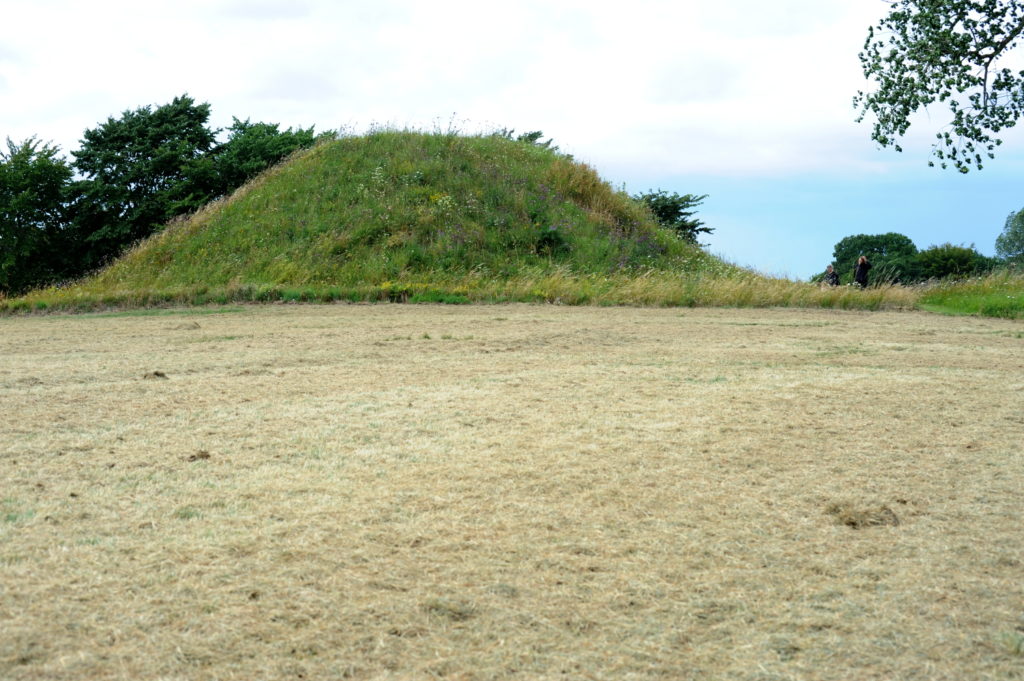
(402,211)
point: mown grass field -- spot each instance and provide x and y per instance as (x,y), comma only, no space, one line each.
(511,491)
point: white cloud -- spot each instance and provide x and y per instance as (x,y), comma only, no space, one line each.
(741,87)
(247,11)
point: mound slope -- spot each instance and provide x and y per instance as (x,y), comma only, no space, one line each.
(404,206)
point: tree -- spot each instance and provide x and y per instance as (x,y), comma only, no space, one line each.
(891,255)
(676,212)
(250,149)
(947,52)
(33,183)
(140,171)
(1010,244)
(947,260)
(894,257)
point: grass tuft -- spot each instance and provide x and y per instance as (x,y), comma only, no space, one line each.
(450,609)
(859,516)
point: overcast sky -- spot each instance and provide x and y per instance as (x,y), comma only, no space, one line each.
(745,100)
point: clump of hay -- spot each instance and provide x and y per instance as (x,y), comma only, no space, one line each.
(456,610)
(857,517)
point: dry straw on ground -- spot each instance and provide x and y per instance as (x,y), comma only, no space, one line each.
(492,492)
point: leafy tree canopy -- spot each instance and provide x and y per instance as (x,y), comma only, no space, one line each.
(894,257)
(947,260)
(891,255)
(153,164)
(1010,244)
(139,172)
(676,212)
(252,148)
(33,179)
(950,53)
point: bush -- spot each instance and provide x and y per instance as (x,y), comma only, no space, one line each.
(947,260)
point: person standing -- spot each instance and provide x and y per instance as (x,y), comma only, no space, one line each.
(860,272)
(831,276)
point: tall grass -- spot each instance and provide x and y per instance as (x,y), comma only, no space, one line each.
(538,285)
(1000,294)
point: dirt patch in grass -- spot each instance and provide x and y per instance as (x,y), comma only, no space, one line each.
(491,492)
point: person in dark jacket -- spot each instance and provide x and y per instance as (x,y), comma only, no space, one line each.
(831,276)
(860,272)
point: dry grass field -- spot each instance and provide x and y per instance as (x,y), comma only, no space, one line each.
(496,492)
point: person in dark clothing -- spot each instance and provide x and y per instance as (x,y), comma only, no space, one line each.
(831,276)
(860,272)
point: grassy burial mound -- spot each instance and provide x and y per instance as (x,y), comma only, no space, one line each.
(404,216)
(396,206)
